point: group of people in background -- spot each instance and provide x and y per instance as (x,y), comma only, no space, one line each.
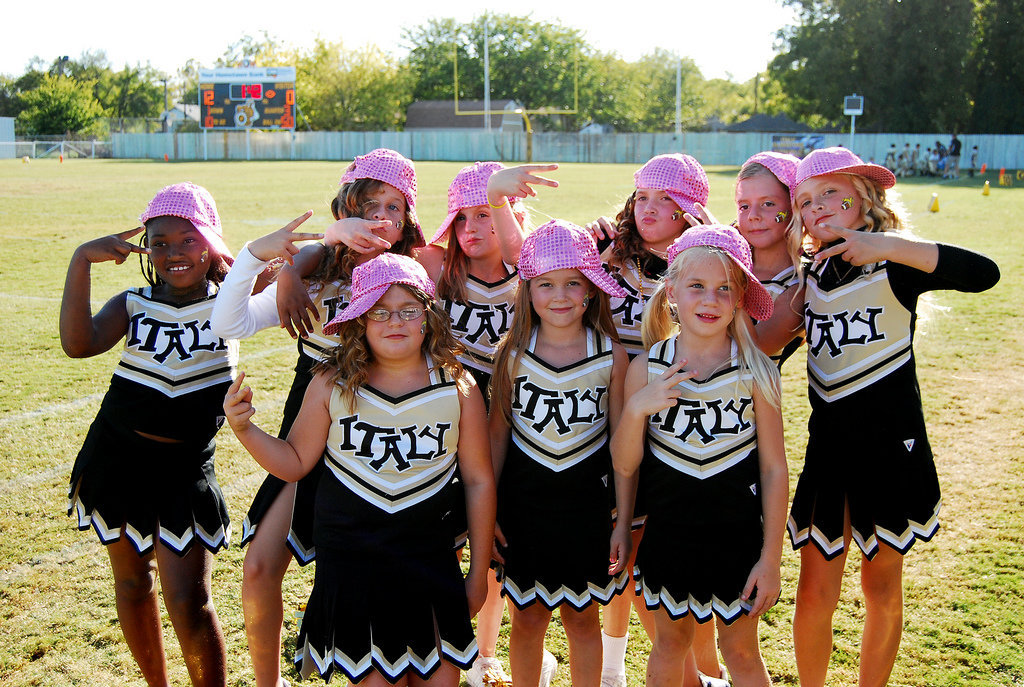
(596,410)
(939,161)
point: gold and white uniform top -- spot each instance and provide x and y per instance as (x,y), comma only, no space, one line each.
(560,415)
(857,333)
(396,452)
(781,281)
(329,299)
(171,348)
(628,311)
(483,318)
(711,426)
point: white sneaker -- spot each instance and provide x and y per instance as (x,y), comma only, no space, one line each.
(548,666)
(613,679)
(708,681)
(487,671)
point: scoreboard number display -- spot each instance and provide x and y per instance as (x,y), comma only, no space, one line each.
(247,98)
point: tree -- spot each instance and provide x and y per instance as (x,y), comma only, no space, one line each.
(997,82)
(906,58)
(533,63)
(57,106)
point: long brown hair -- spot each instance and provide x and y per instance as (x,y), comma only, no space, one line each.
(451,284)
(628,245)
(337,262)
(513,343)
(348,364)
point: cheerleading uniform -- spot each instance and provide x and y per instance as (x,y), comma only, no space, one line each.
(480,321)
(776,286)
(170,382)
(700,478)
(640,279)
(867,449)
(555,478)
(388,594)
(240,314)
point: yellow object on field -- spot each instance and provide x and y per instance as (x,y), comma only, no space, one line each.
(933,206)
(985,191)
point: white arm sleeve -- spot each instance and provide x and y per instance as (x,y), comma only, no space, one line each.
(237,314)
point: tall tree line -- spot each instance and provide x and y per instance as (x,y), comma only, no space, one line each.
(922,65)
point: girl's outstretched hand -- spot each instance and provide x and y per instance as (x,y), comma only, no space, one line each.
(622,542)
(856,247)
(238,406)
(516,181)
(114,247)
(766,579)
(660,393)
(281,243)
(358,234)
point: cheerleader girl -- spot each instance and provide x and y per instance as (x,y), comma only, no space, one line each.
(878,488)
(378,192)
(668,188)
(714,475)
(556,392)
(144,479)
(391,412)
(763,217)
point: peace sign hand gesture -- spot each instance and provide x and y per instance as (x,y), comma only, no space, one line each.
(855,247)
(281,243)
(516,181)
(660,393)
(114,247)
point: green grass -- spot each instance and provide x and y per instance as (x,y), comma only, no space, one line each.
(963,590)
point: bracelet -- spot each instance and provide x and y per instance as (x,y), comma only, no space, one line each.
(503,203)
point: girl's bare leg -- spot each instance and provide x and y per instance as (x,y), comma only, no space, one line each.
(672,641)
(881,579)
(816,597)
(583,631)
(742,652)
(266,561)
(138,609)
(526,643)
(186,585)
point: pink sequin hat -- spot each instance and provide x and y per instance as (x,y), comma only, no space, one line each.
(467,190)
(841,161)
(782,165)
(560,245)
(372,278)
(389,166)
(194,203)
(679,175)
(756,301)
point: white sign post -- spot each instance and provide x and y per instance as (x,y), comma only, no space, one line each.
(853,105)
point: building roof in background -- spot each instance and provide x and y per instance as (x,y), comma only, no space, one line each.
(769,123)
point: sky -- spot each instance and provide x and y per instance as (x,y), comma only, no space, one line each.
(726,38)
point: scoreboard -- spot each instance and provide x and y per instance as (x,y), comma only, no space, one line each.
(247,98)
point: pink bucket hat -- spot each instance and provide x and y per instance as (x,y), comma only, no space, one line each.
(467,190)
(560,245)
(194,203)
(384,164)
(782,165)
(390,167)
(372,278)
(756,301)
(841,161)
(681,176)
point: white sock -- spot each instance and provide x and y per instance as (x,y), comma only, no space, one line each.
(613,654)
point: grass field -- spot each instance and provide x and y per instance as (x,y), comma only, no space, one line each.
(964,589)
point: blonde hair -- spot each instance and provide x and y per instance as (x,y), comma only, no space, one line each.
(348,364)
(877,214)
(659,322)
(513,343)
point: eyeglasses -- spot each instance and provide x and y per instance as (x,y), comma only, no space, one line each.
(383,315)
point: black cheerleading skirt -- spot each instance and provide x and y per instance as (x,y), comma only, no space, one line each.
(388,594)
(701,540)
(300,531)
(558,530)
(886,476)
(148,489)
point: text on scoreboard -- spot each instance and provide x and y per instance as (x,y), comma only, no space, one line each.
(247,98)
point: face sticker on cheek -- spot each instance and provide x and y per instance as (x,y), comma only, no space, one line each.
(781,216)
(847,203)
